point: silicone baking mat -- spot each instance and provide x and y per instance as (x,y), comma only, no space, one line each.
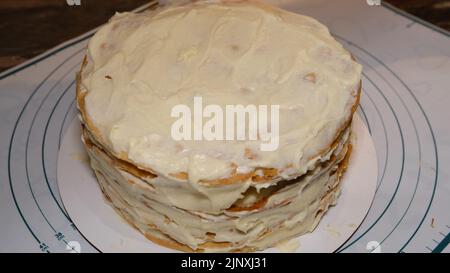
(405,105)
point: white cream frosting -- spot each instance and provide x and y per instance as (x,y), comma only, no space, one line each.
(140,65)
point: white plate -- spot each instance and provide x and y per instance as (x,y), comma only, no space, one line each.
(100,224)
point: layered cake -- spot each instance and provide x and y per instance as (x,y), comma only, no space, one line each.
(219,194)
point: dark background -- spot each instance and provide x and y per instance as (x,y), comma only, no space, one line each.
(30,27)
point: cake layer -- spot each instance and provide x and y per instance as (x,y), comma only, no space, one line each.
(290,207)
(207,198)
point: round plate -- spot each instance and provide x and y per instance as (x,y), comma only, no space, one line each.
(100,224)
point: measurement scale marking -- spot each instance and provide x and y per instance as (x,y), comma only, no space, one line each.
(442,245)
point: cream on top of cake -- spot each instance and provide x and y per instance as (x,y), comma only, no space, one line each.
(141,65)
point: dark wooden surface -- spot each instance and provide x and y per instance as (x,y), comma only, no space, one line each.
(30,27)
(436,12)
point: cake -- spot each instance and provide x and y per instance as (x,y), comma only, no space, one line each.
(219,195)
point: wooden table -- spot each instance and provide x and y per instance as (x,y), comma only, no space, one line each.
(30,27)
